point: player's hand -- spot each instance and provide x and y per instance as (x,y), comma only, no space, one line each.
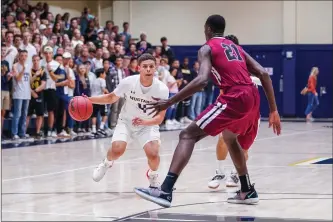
(158,106)
(274,120)
(137,121)
(85,96)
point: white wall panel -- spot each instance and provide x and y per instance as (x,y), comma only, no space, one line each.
(314,22)
(254,22)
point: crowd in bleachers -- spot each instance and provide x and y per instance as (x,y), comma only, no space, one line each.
(47,59)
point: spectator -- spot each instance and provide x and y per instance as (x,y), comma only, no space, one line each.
(76,39)
(11,51)
(43,34)
(69,90)
(98,87)
(166,50)
(52,69)
(143,38)
(21,95)
(26,45)
(197,98)
(5,83)
(126,34)
(132,50)
(108,27)
(133,66)
(98,60)
(171,121)
(82,87)
(36,105)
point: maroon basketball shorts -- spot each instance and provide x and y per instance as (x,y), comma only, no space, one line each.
(237,111)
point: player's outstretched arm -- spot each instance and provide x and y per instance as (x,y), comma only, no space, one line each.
(256,69)
(104,99)
(204,57)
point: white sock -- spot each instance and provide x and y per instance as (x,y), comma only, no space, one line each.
(102,126)
(94,128)
(220,166)
(108,162)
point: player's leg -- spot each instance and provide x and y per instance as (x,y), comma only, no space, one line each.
(221,155)
(238,149)
(119,143)
(152,152)
(187,139)
(149,138)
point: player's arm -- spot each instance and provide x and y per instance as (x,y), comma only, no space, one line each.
(256,69)
(204,57)
(114,96)
(104,99)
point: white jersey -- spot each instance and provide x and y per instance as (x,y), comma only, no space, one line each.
(137,96)
(256,81)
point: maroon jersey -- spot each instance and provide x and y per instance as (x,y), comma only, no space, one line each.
(228,64)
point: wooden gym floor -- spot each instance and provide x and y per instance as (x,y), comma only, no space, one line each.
(292,174)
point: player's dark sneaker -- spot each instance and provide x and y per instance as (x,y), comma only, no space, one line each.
(250,197)
(155,195)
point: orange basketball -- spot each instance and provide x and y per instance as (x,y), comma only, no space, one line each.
(80,108)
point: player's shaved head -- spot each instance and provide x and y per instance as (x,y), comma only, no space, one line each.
(145,57)
(216,23)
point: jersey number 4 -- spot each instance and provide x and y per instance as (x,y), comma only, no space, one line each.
(142,107)
(232,52)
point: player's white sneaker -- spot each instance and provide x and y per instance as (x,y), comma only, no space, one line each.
(176,122)
(232,180)
(169,124)
(101,169)
(217,179)
(153,178)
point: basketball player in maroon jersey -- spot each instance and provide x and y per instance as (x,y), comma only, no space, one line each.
(235,113)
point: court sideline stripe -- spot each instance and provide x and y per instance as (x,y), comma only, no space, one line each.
(166,154)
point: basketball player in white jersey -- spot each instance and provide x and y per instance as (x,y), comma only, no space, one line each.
(221,154)
(134,121)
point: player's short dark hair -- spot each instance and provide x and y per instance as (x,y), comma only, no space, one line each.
(145,57)
(216,23)
(233,38)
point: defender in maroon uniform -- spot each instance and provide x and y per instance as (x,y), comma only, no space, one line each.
(235,113)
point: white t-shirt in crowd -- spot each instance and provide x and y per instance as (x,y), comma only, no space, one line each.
(21,88)
(92,77)
(136,96)
(50,84)
(97,87)
(69,91)
(11,54)
(31,52)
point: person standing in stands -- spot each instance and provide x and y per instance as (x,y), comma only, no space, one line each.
(166,50)
(38,83)
(21,95)
(126,34)
(5,83)
(62,96)
(196,101)
(53,73)
(67,57)
(187,78)
(313,101)
(82,87)
(98,88)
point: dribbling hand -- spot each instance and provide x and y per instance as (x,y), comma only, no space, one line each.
(137,121)
(274,120)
